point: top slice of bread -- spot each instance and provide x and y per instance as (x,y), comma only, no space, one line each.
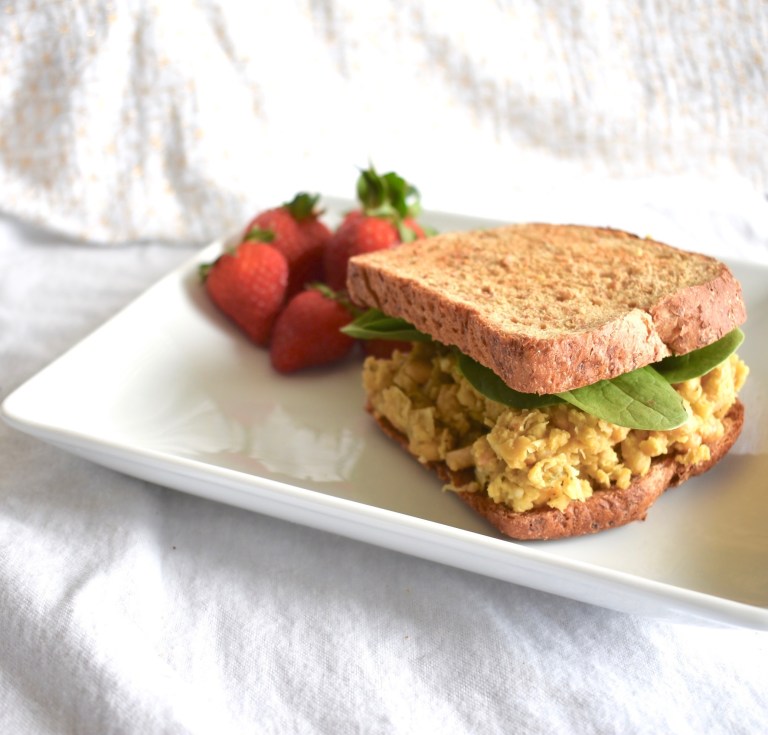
(550,308)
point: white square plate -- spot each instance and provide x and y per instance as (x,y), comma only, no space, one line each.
(170,392)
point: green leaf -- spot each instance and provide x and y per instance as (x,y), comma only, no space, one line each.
(485,381)
(259,235)
(303,206)
(641,399)
(404,197)
(371,189)
(678,368)
(203,270)
(407,234)
(374,324)
(387,195)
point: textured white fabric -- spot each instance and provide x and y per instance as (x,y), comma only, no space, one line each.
(129,608)
(147,119)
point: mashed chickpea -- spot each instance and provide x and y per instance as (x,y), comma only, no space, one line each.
(528,458)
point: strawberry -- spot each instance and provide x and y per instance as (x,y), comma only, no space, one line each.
(296,230)
(315,231)
(249,286)
(411,230)
(306,333)
(356,235)
(386,218)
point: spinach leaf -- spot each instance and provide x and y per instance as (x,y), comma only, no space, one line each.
(641,399)
(678,368)
(374,324)
(485,381)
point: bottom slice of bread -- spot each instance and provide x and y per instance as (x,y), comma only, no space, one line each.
(604,509)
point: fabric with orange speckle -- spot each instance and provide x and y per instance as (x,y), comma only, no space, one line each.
(151,120)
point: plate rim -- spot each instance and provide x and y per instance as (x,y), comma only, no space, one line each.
(695,606)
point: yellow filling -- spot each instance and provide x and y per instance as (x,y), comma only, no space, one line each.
(527,458)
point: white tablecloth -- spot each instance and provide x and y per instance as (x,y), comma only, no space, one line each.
(130,608)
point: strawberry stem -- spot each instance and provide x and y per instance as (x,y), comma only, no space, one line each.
(338,296)
(259,234)
(203,270)
(388,196)
(303,206)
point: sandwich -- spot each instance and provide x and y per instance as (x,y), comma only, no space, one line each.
(557,378)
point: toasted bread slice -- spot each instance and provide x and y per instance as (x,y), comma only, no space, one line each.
(604,509)
(550,308)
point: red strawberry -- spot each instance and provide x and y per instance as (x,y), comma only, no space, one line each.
(386,218)
(249,285)
(296,230)
(356,235)
(315,231)
(411,230)
(306,333)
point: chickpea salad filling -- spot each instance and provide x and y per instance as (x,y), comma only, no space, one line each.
(527,458)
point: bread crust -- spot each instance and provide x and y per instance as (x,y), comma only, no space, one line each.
(550,308)
(604,509)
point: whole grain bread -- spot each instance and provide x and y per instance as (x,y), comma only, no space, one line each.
(604,509)
(549,308)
